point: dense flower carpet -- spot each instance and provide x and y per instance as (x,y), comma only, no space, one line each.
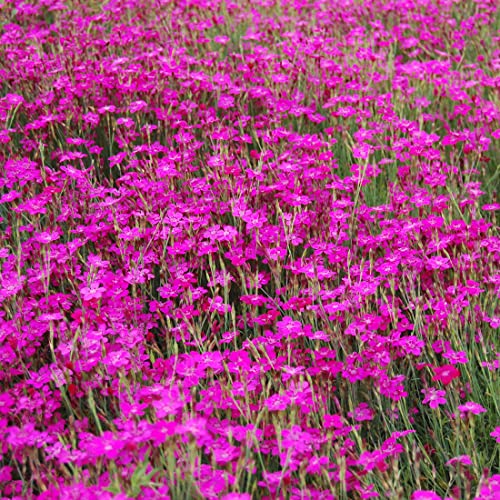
(249,249)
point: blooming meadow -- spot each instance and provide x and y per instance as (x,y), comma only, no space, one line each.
(249,249)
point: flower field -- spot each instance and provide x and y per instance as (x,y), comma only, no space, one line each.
(249,249)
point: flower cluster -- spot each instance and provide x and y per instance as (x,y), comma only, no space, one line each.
(249,249)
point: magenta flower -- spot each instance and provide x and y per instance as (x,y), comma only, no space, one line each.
(47,237)
(223,452)
(489,490)
(116,360)
(93,291)
(7,402)
(471,407)
(137,106)
(392,388)
(496,434)
(296,439)
(362,413)
(461,459)
(277,402)
(455,357)
(228,337)
(434,397)
(99,446)
(370,460)
(333,421)
(289,327)
(425,495)
(445,374)
(193,272)
(223,39)
(127,122)
(226,101)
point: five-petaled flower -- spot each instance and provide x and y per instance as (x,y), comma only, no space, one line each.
(445,374)
(434,397)
(470,408)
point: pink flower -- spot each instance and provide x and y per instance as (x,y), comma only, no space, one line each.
(170,402)
(228,337)
(127,122)
(223,40)
(93,291)
(445,374)
(434,397)
(217,305)
(7,402)
(295,439)
(91,118)
(461,459)
(489,491)
(226,101)
(455,357)
(370,460)
(496,434)
(291,371)
(277,402)
(137,106)
(366,491)
(362,412)
(224,453)
(438,263)
(319,335)
(289,327)
(116,360)
(471,407)
(47,237)
(99,446)
(361,151)
(315,464)
(425,495)
(333,421)
(392,388)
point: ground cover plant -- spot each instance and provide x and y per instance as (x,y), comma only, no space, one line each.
(249,249)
